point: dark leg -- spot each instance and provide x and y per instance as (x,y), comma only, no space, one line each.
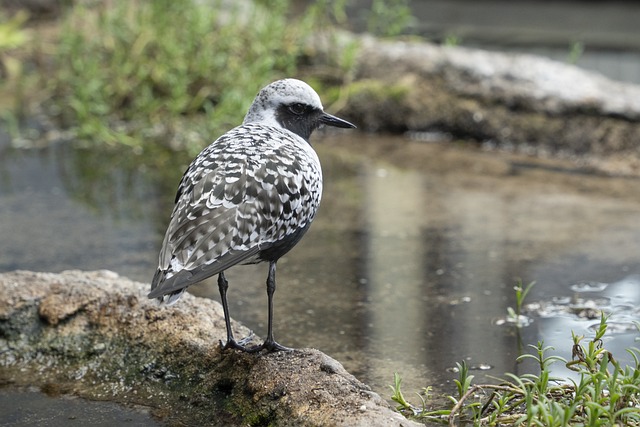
(223,285)
(270,344)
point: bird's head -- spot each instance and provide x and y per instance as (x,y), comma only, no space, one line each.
(293,105)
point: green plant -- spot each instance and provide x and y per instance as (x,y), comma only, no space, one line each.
(397,395)
(389,18)
(452,40)
(591,358)
(515,316)
(125,71)
(576,50)
(464,380)
(323,14)
(605,394)
(13,36)
(12,32)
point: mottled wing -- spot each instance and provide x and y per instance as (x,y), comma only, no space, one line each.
(241,195)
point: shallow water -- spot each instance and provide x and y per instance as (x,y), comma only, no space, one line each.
(597,36)
(28,408)
(409,267)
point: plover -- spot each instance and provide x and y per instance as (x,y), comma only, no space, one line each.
(248,197)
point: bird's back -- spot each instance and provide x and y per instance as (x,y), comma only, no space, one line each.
(246,198)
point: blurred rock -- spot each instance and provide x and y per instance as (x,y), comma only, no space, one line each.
(515,102)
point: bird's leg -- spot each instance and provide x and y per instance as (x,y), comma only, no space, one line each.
(223,285)
(270,344)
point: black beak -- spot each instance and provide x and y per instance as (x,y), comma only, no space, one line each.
(330,120)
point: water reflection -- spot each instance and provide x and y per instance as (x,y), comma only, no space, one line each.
(407,269)
(29,408)
(412,259)
(581,314)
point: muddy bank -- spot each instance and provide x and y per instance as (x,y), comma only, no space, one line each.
(514,102)
(96,335)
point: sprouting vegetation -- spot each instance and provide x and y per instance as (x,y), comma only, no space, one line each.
(175,74)
(576,50)
(13,35)
(12,32)
(138,73)
(389,18)
(452,39)
(515,316)
(127,71)
(604,393)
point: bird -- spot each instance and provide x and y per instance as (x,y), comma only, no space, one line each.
(247,198)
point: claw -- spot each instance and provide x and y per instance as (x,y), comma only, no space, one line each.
(270,346)
(237,345)
(232,344)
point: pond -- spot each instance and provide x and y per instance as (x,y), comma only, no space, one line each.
(25,408)
(409,266)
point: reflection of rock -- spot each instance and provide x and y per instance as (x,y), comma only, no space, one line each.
(507,100)
(97,335)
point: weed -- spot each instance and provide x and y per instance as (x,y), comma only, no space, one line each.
(515,316)
(389,18)
(13,35)
(604,395)
(12,32)
(576,50)
(144,73)
(127,70)
(452,40)
(397,395)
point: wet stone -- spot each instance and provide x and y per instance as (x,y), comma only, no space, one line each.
(104,340)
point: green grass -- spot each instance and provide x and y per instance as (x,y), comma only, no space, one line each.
(389,18)
(606,394)
(129,71)
(172,73)
(515,316)
(13,37)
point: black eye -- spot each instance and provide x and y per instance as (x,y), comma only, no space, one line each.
(297,109)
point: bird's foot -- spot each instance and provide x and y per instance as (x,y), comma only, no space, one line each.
(237,345)
(269,345)
(231,344)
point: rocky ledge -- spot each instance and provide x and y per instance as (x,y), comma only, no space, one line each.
(507,101)
(96,335)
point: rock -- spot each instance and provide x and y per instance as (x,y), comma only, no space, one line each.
(96,335)
(510,101)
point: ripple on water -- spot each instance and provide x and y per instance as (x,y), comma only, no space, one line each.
(616,327)
(589,287)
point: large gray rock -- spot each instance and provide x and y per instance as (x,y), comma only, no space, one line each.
(510,101)
(96,335)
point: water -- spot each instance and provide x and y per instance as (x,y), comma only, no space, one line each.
(409,267)
(597,36)
(411,263)
(28,408)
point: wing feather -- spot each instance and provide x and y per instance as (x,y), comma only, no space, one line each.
(236,199)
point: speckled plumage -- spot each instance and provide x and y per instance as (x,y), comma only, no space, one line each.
(248,197)
(244,193)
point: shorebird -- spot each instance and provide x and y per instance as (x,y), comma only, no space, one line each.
(249,197)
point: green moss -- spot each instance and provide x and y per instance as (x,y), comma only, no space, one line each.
(378,91)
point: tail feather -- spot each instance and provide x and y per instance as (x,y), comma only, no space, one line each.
(169,297)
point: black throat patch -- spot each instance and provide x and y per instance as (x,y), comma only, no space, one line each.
(299,119)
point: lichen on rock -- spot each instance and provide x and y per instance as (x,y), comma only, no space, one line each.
(96,335)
